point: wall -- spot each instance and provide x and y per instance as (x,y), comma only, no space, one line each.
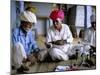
(13,14)
(40,26)
(43,10)
(80,16)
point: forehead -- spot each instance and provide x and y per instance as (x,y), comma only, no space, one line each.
(27,23)
(55,21)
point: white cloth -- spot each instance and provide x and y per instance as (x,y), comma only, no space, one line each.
(18,54)
(90,36)
(56,51)
(62,68)
(28,16)
(60,52)
(83,48)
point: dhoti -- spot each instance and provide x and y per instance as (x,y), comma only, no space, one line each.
(18,54)
(60,52)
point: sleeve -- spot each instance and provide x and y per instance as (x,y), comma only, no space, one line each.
(33,42)
(15,36)
(48,38)
(69,35)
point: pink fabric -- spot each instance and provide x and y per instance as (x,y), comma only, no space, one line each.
(57,14)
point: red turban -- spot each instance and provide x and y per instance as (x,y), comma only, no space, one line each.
(57,14)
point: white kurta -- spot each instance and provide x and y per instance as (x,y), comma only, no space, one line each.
(59,51)
(18,55)
(90,37)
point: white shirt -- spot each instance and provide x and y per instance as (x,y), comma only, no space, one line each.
(54,35)
(90,36)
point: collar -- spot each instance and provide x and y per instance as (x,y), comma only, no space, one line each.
(21,32)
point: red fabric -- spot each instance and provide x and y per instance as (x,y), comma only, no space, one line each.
(57,14)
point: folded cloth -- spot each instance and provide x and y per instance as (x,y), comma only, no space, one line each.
(66,68)
(62,68)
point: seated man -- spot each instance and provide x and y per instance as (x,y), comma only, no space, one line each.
(58,37)
(23,41)
(90,33)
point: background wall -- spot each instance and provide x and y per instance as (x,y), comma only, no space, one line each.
(76,16)
(13,14)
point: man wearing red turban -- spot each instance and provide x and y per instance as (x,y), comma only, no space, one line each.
(59,37)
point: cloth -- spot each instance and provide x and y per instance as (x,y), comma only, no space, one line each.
(27,40)
(90,36)
(82,48)
(66,68)
(18,54)
(62,68)
(28,16)
(59,51)
(57,14)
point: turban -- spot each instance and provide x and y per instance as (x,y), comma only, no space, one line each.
(28,16)
(93,18)
(57,14)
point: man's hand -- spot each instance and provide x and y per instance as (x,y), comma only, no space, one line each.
(36,50)
(48,45)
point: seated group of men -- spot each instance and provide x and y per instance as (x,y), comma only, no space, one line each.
(58,39)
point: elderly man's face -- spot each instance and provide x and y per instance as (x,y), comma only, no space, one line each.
(57,24)
(26,25)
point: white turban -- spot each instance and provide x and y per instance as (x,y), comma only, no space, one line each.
(28,16)
(93,18)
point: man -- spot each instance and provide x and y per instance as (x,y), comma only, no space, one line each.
(59,37)
(90,41)
(90,34)
(23,40)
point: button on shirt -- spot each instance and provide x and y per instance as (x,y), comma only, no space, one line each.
(27,40)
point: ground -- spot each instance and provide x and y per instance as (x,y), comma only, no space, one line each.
(49,66)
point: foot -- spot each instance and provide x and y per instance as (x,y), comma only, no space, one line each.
(22,69)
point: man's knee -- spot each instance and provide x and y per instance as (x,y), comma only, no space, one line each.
(53,52)
(19,51)
(18,44)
